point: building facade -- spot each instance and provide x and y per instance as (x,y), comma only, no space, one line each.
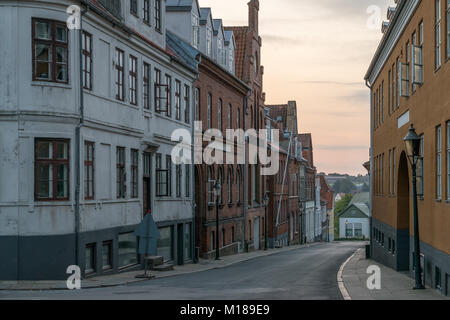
(408,77)
(87,130)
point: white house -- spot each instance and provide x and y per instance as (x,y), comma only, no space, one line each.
(354,222)
(81,167)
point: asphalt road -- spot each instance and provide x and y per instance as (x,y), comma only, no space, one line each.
(302,274)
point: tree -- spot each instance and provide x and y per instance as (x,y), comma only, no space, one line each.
(365,188)
(341,205)
(344,186)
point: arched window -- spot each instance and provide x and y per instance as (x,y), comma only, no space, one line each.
(238,184)
(210,185)
(229,117)
(256,62)
(238,117)
(219,115)
(230,185)
(220,180)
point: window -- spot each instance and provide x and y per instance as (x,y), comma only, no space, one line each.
(348,230)
(146,85)
(393,247)
(146,11)
(448,29)
(107,255)
(382,102)
(420,168)
(89,170)
(161,101)
(437,278)
(169,175)
(165,243)
(50,51)
(209,41)
(89,252)
(210,183)
(238,116)
(224,241)
(187,241)
(169,95)
(231,60)
(158,15)
(161,178)
(390,172)
(134,173)
(448,160)
(405,74)
(121,175)
(399,82)
(133,80)
(439,163)
(229,117)
(393,88)
(414,44)
(238,185)
(52,170)
(417,60)
(220,51)
(178,177)
(438,34)
(133,7)
(230,186)
(87,61)
(187,104)
(394,177)
(177,100)
(127,250)
(220,180)
(120,90)
(187,171)
(358,230)
(195,31)
(219,115)
(197,104)
(209,110)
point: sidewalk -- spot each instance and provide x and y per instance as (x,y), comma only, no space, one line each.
(394,285)
(129,277)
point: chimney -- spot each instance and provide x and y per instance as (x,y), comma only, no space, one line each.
(253,12)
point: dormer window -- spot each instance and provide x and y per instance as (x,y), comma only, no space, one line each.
(231,60)
(220,51)
(209,35)
(195,31)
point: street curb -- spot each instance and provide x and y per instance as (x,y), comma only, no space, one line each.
(127,282)
(340,281)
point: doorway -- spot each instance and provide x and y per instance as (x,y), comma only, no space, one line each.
(146,185)
(257,233)
(180,244)
(403,215)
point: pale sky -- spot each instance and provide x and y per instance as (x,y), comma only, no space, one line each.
(317,53)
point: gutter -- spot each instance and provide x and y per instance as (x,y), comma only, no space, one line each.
(368,85)
(78,141)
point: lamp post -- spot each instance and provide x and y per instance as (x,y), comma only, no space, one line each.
(217,192)
(412,143)
(266,203)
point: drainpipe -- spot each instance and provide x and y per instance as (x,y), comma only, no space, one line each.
(245,184)
(368,85)
(78,140)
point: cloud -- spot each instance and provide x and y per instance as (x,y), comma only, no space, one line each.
(341,147)
(281,40)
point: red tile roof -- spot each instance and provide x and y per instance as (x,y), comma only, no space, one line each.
(240,37)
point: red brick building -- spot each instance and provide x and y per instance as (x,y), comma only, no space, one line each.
(219,100)
(249,70)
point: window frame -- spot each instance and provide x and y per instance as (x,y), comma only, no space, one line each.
(187,182)
(158,22)
(89,162)
(438,172)
(169,175)
(134,168)
(120,74)
(187,104)
(178,179)
(134,7)
(121,175)
(87,60)
(177,99)
(53,44)
(160,174)
(133,79)
(54,162)
(146,85)
(93,247)
(438,34)
(146,17)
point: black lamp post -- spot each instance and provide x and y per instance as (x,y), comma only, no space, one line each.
(217,192)
(266,203)
(412,143)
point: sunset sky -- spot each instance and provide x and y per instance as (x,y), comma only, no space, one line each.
(317,52)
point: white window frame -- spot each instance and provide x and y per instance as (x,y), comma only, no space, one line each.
(438,37)
(439,163)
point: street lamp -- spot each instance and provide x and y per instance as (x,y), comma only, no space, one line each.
(266,203)
(217,193)
(412,143)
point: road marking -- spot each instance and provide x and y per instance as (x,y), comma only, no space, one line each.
(340,281)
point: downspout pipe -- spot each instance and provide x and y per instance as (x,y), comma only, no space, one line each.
(245,182)
(369,85)
(78,140)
